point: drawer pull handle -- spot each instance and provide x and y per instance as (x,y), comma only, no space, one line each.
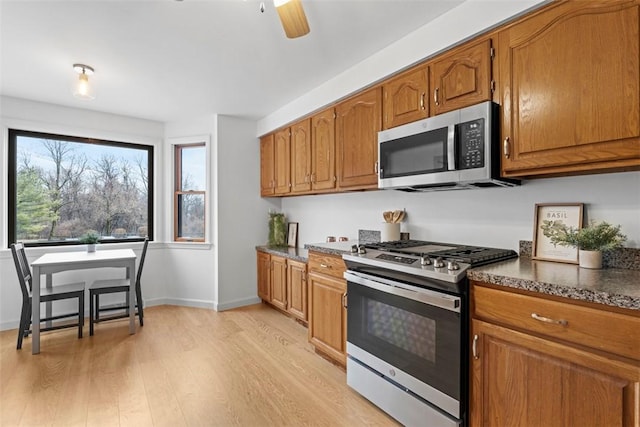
(474,347)
(560,322)
(325,266)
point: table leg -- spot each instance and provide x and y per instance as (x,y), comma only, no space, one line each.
(131,272)
(48,304)
(35,310)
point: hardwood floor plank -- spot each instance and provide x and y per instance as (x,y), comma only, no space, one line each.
(250,366)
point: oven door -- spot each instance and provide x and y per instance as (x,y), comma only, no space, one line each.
(409,334)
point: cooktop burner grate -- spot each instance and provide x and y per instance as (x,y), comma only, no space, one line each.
(473,255)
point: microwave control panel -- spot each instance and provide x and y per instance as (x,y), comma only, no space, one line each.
(471,144)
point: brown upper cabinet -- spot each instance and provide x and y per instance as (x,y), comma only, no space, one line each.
(323,150)
(358,121)
(405,97)
(282,161)
(267,174)
(461,78)
(570,90)
(301,156)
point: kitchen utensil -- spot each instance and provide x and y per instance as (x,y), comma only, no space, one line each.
(388,216)
(395,217)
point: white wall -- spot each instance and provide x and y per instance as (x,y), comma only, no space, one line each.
(221,274)
(35,116)
(497,217)
(242,214)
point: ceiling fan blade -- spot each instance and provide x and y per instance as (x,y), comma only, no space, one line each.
(292,16)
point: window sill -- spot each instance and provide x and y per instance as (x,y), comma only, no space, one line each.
(189,245)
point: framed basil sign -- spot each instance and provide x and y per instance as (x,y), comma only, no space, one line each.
(549,218)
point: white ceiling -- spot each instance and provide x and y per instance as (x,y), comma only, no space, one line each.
(169,60)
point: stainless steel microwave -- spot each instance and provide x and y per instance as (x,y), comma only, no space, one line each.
(455,150)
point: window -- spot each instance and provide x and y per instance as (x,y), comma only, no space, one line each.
(190,192)
(61,187)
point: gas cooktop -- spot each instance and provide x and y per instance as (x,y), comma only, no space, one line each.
(472,255)
(443,261)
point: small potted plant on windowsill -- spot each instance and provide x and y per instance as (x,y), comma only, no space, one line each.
(591,241)
(90,238)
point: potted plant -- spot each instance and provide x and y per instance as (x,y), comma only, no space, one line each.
(90,238)
(590,240)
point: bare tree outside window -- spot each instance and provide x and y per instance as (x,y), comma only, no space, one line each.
(190,193)
(61,187)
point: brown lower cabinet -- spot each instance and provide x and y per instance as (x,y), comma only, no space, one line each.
(327,306)
(540,362)
(282,282)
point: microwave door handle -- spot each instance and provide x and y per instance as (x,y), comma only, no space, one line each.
(451,147)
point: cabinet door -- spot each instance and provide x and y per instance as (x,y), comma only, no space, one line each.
(461,78)
(264,276)
(301,156)
(267,176)
(323,145)
(521,380)
(297,289)
(279,282)
(405,96)
(571,91)
(328,316)
(282,161)
(358,122)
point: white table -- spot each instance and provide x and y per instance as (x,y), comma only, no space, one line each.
(62,261)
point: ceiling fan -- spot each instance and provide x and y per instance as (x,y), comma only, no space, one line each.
(292,16)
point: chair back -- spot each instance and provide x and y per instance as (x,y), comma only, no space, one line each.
(142,257)
(22,268)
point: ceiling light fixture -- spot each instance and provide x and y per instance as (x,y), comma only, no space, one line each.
(82,89)
(292,16)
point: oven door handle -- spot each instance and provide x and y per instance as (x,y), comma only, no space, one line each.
(437,299)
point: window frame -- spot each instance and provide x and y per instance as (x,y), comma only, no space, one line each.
(12,175)
(178,191)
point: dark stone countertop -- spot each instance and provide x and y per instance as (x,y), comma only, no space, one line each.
(331,248)
(615,287)
(297,254)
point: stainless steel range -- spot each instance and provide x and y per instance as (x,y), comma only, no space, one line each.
(407,327)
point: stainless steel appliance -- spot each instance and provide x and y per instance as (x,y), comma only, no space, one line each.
(455,150)
(407,327)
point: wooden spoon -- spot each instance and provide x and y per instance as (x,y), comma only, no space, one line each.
(402,214)
(396,216)
(388,216)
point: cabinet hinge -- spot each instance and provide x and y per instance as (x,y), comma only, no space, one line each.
(493,85)
(492,52)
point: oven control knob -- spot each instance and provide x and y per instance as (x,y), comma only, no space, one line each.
(425,260)
(354,249)
(361,249)
(438,263)
(392,372)
(452,265)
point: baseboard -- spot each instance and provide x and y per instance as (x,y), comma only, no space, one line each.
(182,302)
(236,303)
(211,305)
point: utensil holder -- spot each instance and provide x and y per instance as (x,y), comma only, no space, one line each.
(390,231)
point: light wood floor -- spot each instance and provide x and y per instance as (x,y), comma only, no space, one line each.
(249,367)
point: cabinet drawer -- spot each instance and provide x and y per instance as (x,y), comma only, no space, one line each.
(332,265)
(604,330)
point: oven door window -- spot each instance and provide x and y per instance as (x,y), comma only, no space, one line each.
(418,154)
(420,339)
